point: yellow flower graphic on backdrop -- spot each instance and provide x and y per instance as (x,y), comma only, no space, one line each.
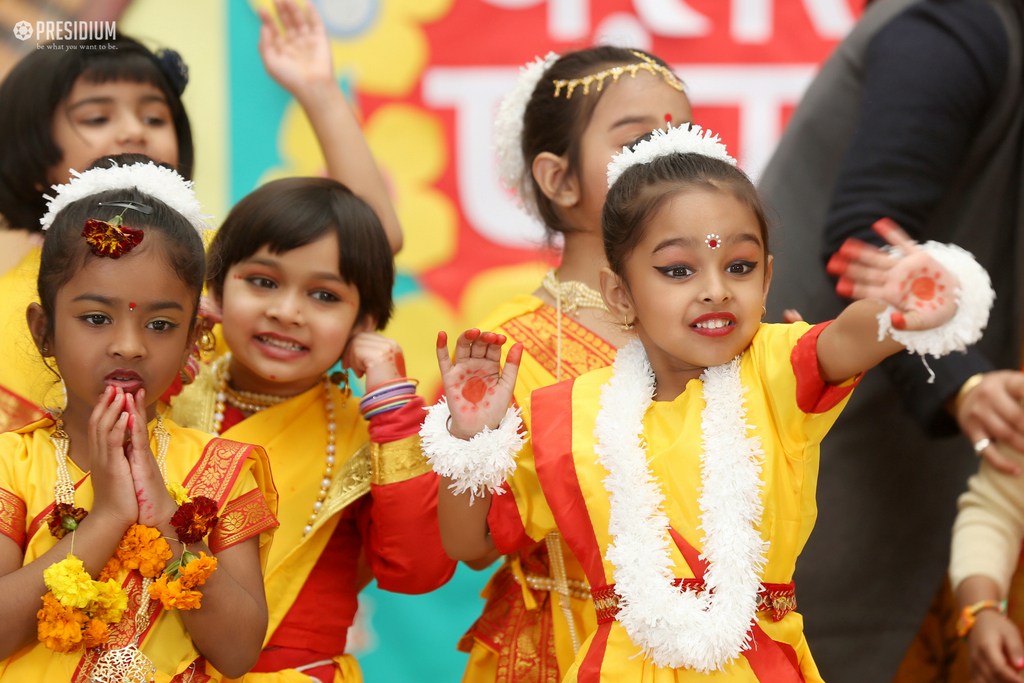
(379,41)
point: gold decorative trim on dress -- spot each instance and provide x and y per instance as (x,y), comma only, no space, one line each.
(218,467)
(582,350)
(648,65)
(241,519)
(13,512)
(351,483)
(195,405)
(397,461)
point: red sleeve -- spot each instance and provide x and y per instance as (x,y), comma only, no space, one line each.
(401,536)
(395,425)
(813,394)
(505,523)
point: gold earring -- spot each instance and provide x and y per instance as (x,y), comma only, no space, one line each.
(207,342)
(764,311)
(626,325)
(341,379)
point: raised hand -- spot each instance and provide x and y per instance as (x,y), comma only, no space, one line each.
(478,389)
(916,284)
(112,483)
(378,358)
(298,55)
(155,505)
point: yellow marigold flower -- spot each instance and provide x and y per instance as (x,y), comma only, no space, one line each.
(111,602)
(70,583)
(196,572)
(178,492)
(95,633)
(143,549)
(59,627)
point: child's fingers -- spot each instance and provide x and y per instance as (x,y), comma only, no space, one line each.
(313,18)
(895,235)
(287,13)
(137,422)
(115,437)
(444,361)
(511,369)
(464,345)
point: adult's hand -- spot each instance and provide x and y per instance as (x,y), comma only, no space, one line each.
(991,412)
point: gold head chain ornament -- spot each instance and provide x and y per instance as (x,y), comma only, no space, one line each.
(648,65)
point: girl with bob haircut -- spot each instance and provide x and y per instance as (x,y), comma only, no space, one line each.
(682,477)
(302,272)
(128,545)
(555,137)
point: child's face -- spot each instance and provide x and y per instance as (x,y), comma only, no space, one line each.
(698,306)
(287,317)
(123,323)
(627,110)
(103,119)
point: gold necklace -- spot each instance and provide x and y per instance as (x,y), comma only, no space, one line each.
(572,295)
(126,663)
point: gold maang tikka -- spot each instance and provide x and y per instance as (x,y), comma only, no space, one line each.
(648,65)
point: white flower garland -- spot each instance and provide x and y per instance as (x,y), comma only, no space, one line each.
(683,629)
(974,301)
(156,181)
(684,139)
(508,131)
(479,464)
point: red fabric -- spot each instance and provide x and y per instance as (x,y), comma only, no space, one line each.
(505,524)
(395,425)
(813,394)
(321,615)
(232,416)
(590,668)
(697,565)
(401,536)
(177,386)
(556,469)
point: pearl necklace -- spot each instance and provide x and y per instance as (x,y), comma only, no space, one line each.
(224,396)
(572,295)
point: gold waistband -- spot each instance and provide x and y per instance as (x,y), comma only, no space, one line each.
(577,589)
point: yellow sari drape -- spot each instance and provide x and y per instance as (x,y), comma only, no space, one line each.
(234,474)
(25,382)
(524,635)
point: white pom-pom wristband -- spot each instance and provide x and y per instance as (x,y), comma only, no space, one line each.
(973,304)
(477,465)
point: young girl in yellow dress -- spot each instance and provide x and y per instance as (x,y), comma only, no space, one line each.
(556,137)
(682,477)
(130,548)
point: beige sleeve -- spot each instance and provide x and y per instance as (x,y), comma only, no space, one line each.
(989,528)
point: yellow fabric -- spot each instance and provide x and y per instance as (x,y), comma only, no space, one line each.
(294,434)
(23,371)
(346,670)
(28,469)
(535,373)
(672,430)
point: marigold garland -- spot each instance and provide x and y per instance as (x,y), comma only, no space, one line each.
(176,588)
(60,627)
(63,518)
(144,549)
(195,519)
(76,610)
(70,583)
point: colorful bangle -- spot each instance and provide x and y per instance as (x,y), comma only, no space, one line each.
(385,407)
(391,392)
(968,617)
(397,380)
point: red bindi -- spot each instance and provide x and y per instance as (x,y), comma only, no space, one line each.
(668,118)
(131,306)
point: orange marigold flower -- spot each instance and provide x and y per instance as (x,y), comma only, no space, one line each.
(95,633)
(60,627)
(196,572)
(143,549)
(110,569)
(173,596)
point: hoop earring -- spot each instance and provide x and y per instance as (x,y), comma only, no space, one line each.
(626,325)
(764,311)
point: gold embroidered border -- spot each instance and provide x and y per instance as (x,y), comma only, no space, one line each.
(397,461)
(241,519)
(582,350)
(351,483)
(218,468)
(12,517)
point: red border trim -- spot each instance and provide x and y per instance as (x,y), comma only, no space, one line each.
(813,394)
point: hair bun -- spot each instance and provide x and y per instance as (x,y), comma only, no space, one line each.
(174,67)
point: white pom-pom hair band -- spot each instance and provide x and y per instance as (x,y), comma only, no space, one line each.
(156,181)
(685,139)
(508,130)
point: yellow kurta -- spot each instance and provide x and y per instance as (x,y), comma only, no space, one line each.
(512,641)
(236,475)
(25,382)
(790,437)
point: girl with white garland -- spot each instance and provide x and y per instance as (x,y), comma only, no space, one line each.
(683,476)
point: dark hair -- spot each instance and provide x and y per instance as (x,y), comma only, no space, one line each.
(642,189)
(556,125)
(292,212)
(65,251)
(31,95)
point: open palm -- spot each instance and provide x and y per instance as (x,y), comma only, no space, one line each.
(478,389)
(298,53)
